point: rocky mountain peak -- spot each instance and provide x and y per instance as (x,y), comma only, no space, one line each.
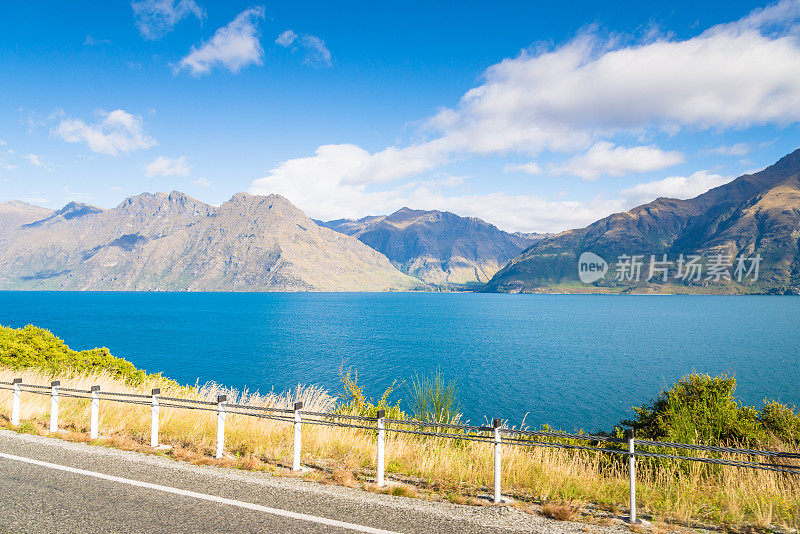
(437,247)
(175,203)
(260,207)
(788,164)
(159,241)
(72,210)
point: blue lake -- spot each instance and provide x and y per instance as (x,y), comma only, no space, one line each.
(572,361)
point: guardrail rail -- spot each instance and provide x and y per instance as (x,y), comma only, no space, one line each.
(497,434)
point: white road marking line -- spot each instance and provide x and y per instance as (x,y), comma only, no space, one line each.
(203,496)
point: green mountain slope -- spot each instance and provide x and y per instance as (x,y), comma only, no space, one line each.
(754,215)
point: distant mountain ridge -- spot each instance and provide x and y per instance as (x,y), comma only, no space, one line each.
(755,214)
(15,213)
(160,242)
(439,248)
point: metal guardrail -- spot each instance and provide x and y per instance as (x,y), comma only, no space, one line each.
(495,434)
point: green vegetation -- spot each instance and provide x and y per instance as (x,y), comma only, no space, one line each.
(698,408)
(435,400)
(356,404)
(36,348)
(703,409)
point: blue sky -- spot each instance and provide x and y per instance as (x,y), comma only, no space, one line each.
(534,117)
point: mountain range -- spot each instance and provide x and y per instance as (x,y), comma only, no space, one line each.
(159,242)
(172,242)
(755,215)
(439,248)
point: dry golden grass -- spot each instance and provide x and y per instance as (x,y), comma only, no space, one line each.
(458,471)
(560,511)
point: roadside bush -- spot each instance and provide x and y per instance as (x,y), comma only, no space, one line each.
(357,404)
(781,421)
(703,409)
(37,348)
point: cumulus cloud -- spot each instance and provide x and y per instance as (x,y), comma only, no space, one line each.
(202,182)
(578,101)
(324,187)
(34,160)
(233,46)
(731,76)
(603,158)
(316,53)
(116,132)
(156,18)
(682,187)
(162,166)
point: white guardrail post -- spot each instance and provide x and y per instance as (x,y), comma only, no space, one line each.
(15,400)
(632,472)
(54,405)
(220,425)
(498,448)
(381,435)
(298,423)
(154,418)
(94,416)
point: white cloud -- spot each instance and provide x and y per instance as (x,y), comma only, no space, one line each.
(156,18)
(530,168)
(233,46)
(731,76)
(162,166)
(91,41)
(202,182)
(36,200)
(322,185)
(577,99)
(286,38)
(314,48)
(603,158)
(34,160)
(317,54)
(118,131)
(682,187)
(739,149)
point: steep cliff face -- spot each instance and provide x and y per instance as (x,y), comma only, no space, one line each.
(756,214)
(437,247)
(175,243)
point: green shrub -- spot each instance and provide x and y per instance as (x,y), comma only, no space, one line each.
(781,421)
(703,409)
(33,347)
(357,404)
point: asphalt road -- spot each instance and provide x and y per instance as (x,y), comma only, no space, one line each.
(48,485)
